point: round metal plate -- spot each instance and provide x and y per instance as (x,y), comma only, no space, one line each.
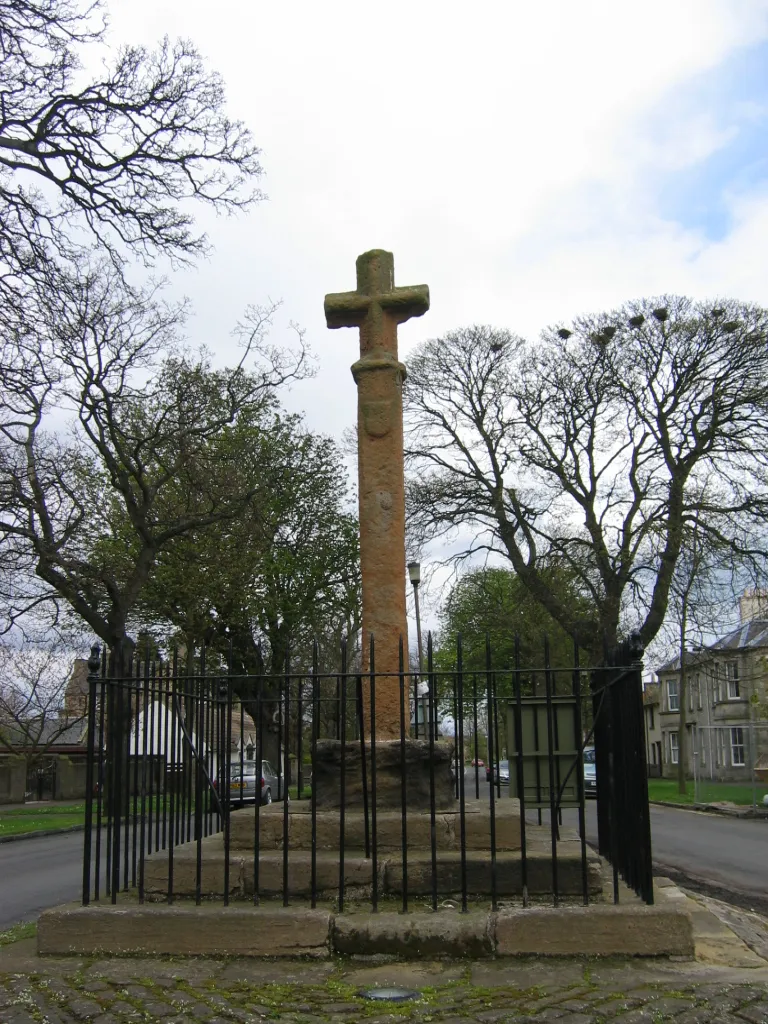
(391,995)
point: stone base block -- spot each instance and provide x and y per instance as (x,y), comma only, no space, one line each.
(247,931)
(191,931)
(601,930)
(509,874)
(417,936)
(388,827)
(420,761)
(358,872)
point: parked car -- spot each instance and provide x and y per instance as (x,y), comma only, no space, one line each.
(478,763)
(590,773)
(243,783)
(503,772)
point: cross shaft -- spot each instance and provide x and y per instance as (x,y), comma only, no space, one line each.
(377,307)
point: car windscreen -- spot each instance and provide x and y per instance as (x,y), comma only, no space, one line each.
(247,769)
(589,755)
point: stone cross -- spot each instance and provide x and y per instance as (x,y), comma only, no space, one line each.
(377,307)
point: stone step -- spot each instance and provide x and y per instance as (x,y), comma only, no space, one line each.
(388,827)
(357,872)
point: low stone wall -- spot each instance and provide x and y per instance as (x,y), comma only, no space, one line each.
(623,930)
(13,781)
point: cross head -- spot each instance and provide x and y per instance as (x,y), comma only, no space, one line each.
(376,306)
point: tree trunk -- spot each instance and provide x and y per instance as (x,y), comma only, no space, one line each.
(681,737)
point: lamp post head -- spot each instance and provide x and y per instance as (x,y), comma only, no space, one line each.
(414,573)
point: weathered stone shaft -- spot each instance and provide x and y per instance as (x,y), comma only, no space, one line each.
(377,307)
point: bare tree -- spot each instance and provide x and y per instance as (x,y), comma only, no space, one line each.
(590,449)
(35,714)
(108,432)
(108,161)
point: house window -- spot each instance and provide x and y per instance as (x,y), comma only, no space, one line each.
(674,748)
(698,692)
(720,750)
(673,697)
(732,676)
(737,748)
(690,695)
(650,717)
(715,684)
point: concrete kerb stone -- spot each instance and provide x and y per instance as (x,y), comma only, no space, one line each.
(246,931)
(42,833)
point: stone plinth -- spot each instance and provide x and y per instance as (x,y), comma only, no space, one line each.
(326,776)
(388,828)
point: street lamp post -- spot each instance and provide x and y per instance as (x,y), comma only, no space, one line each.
(414,574)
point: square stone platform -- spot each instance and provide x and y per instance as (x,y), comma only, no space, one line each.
(390,873)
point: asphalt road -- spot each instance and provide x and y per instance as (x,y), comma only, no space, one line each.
(39,873)
(724,856)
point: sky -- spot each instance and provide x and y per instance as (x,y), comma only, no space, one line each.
(528,161)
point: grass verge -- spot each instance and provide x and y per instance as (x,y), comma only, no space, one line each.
(17,932)
(666,791)
(17,821)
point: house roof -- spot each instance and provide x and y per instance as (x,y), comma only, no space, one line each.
(750,635)
(53,734)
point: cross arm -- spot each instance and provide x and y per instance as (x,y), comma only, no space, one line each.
(403,303)
(349,309)
(346,309)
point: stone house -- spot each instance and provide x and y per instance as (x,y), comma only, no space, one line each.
(653,740)
(726,695)
(43,757)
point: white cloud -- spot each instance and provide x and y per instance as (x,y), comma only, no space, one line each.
(507,152)
(497,148)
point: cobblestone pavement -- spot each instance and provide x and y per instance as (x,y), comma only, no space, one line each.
(60,991)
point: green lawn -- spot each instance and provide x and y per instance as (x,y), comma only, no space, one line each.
(665,791)
(17,820)
(735,792)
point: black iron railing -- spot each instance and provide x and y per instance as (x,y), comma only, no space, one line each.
(425,813)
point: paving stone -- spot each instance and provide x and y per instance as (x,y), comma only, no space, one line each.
(84,1009)
(286,973)
(699,1015)
(573,1018)
(199,1010)
(454,1020)
(128,969)
(671,1005)
(757,1013)
(157,1008)
(18,1015)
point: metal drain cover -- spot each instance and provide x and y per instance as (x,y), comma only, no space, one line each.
(391,995)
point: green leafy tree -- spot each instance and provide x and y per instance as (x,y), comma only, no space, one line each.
(493,602)
(272,580)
